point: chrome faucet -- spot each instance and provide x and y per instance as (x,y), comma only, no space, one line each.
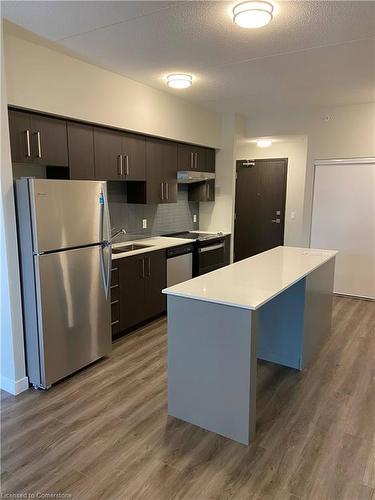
(117,233)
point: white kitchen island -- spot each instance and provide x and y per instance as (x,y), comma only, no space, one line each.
(275,306)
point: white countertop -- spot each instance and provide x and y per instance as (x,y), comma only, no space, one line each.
(252,282)
(155,243)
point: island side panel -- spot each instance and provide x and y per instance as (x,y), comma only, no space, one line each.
(212,366)
(318,309)
(280,325)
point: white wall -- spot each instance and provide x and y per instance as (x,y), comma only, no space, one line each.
(295,149)
(13,377)
(218,215)
(48,80)
(332,132)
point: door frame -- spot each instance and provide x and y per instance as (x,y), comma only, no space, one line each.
(239,165)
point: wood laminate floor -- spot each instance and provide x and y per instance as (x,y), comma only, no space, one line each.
(104,433)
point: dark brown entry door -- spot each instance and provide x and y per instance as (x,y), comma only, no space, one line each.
(260,206)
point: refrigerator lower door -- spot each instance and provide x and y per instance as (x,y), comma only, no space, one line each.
(73,311)
(66,214)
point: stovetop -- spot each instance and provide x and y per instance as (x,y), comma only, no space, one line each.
(195,236)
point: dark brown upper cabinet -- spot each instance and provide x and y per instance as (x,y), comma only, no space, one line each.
(196,158)
(134,157)
(20,136)
(202,191)
(210,160)
(161,174)
(81,151)
(119,156)
(38,139)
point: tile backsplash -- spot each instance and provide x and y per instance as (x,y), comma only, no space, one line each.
(161,219)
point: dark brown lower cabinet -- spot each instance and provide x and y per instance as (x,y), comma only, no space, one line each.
(141,280)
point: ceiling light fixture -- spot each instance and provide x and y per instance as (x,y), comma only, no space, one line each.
(264,143)
(179,81)
(252,14)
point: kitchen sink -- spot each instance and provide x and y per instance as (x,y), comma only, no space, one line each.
(129,248)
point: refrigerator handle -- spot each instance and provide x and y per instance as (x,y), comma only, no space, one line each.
(105,237)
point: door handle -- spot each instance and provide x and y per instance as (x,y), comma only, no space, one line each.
(166,191)
(162,190)
(207,190)
(126,165)
(196,160)
(143,268)
(211,247)
(192,160)
(148,267)
(39,155)
(276,221)
(28,149)
(119,165)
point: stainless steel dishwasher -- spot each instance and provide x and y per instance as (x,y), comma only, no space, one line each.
(179,264)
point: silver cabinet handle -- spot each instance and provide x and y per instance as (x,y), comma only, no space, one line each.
(276,221)
(196,160)
(143,268)
(148,266)
(162,190)
(126,165)
(114,302)
(28,149)
(113,286)
(207,190)
(39,155)
(115,322)
(192,160)
(166,191)
(119,165)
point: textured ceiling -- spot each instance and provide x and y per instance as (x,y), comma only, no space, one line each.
(314,53)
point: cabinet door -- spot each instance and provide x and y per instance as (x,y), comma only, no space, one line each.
(20,136)
(202,191)
(210,160)
(108,154)
(156,280)
(49,141)
(81,151)
(134,157)
(132,279)
(186,158)
(200,159)
(161,168)
(170,172)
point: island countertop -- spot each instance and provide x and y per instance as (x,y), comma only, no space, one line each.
(252,282)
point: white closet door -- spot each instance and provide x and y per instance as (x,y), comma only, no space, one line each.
(343,219)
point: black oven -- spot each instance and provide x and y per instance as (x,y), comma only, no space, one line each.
(210,255)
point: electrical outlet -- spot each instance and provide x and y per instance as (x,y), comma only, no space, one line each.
(144,223)
(292,215)
(195,218)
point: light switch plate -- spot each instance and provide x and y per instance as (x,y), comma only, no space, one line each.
(292,215)
(144,223)
(195,218)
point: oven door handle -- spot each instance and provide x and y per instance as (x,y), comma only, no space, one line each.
(211,247)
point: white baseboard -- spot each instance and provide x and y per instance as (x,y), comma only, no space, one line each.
(14,386)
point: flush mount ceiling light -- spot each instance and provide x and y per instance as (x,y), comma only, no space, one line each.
(264,143)
(179,81)
(252,14)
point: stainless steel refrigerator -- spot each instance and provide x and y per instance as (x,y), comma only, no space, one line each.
(65,249)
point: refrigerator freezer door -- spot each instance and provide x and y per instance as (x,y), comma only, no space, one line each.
(74,313)
(66,214)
